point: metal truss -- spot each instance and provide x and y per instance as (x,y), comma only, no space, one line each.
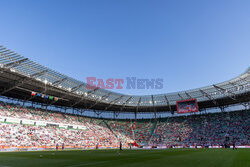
(123,105)
(152,97)
(225,92)
(209,97)
(138,103)
(188,95)
(168,103)
(77,87)
(96,102)
(58,82)
(20,82)
(15,63)
(180,96)
(112,102)
(92,91)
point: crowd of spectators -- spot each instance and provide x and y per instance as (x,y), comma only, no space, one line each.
(94,133)
(139,131)
(205,129)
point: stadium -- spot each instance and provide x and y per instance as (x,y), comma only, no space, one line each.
(46,110)
(124,83)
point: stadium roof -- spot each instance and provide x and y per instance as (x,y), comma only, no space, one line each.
(20,76)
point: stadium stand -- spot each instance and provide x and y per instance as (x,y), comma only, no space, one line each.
(65,112)
(208,129)
(25,127)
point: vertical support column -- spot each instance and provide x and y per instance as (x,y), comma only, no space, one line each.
(222,108)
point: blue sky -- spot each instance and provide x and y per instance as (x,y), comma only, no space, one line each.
(189,44)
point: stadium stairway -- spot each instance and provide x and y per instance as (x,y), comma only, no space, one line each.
(153,131)
(107,125)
